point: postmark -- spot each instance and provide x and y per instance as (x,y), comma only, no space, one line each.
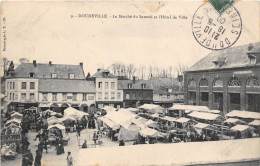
(216,31)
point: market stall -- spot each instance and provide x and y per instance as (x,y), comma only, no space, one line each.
(242,131)
(205,117)
(256,125)
(54,131)
(74,113)
(11,134)
(244,115)
(151,108)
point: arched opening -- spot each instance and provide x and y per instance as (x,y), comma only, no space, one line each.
(218,93)
(191,92)
(204,92)
(253,94)
(234,85)
(55,107)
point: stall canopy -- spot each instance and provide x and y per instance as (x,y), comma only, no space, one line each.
(244,114)
(72,112)
(201,125)
(15,121)
(52,113)
(120,117)
(152,108)
(169,119)
(67,119)
(16,115)
(234,121)
(240,128)
(183,120)
(108,108)
(132,109)
(148,132)
(191,108)
(204,115)
(53,120)
(151,123)
(59,126)
(109,123)
(255,123)
(128,132)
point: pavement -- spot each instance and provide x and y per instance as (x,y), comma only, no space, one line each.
(51,159)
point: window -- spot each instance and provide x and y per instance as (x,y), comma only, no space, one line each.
(130,86)
(192,84)
(10,96)
(143,86)
(205,96)
(218,83)
(64,96)
(252,82)
(127,96)
(23,96)
(218,97)
(91,97)
(106,85)
(71,76)
(53,75)
(113,85)
(106,95)
(74,97)
(118,95)
(99,95)
(31,75)
(44,96)
(54,97)
(203,82)
(13,85)
(84,97)
(23,85)
(32,85)
(234,82)
(99,84)
(113,96)
(234,98)
(32,97)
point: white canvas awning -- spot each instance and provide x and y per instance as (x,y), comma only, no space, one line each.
(240,128)
(170,119)
(234,121)
(148,132)
(204,115)
(255,123)
(201,125)
(109,123)
(59,126)
(152,108)
(72,112)
(191,108)
(183,120)
(244,114)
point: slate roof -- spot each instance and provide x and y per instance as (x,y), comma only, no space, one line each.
(42,70)
(161,85)
(69,86)
(232,57)
(101,73)
(123,84)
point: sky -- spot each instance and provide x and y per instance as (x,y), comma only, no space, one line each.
(45,31)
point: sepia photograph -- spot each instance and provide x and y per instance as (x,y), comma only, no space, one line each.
(130,83)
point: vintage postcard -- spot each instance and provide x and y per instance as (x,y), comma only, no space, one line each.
(130,83)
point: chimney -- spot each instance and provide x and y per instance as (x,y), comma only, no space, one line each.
(34,63)
(50,63)
(81,64)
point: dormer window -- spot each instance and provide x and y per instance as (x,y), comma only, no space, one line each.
(71,76)
(31,75)
(130,86)
(220,61)
(53,75)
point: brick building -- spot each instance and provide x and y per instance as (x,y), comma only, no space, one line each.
(227,80)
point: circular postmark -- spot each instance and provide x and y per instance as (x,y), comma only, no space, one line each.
(216,31)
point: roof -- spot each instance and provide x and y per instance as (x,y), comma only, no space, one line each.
(163,85)
(201,125)
(137,84)
(204,115)
(232,57)
(255,123)
(210,153)
(42,70)
(103,73)
(244,114)
(60,85)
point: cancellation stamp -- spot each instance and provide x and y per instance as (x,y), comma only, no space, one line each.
(216,29)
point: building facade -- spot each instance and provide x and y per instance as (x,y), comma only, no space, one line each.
(226,80)
(54,86)
(107,92)
(135,92)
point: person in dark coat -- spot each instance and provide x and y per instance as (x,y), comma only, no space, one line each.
(27,158)
(84,145)
(121,143)
(38,158)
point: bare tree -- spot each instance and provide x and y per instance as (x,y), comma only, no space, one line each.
(180,69)
(130,70)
